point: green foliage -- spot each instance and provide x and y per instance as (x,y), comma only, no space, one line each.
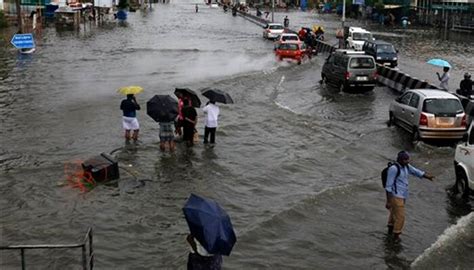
(3,20)
(123,4)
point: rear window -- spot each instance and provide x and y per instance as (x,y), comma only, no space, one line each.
(362,36)
(361,62)
(288,46)
(285,38)
(442,106)
(276,27)
(385,48)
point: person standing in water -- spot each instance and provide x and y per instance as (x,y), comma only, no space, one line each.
(129,106)
(212,114)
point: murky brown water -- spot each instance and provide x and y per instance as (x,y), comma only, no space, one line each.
(296,165)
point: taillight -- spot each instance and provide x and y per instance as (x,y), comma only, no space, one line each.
(423,119)
(463,121)
(375,75)
(347,75)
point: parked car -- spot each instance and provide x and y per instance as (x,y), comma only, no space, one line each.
(383,52)
(273,30)
(295,50)
(429,114)
(464,164)
(350,69)
(356,37)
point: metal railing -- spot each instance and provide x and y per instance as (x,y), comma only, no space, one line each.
(87,260)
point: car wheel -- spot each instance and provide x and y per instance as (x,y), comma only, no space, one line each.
(416,136)
(391,120)
(461,184)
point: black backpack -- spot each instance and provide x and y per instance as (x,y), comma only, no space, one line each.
(385,172)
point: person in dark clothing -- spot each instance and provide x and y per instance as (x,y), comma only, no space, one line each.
(129,106)
(465,86)
(189,124)
(286,22)
(199,258)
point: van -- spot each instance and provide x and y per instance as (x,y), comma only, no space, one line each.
(350,70)
(383,52)
(356,37)
(464,164)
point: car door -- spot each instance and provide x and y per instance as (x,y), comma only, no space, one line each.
(465,154)
(330,67)
(413,111)
(400,108)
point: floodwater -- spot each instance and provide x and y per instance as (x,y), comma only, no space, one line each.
(296,164)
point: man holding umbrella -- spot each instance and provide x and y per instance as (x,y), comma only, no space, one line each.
(212,111)
(211,233)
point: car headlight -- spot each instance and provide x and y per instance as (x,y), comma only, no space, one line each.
(395,59)
(379,58)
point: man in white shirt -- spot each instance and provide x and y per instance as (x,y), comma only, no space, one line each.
(212,113)
(444,79)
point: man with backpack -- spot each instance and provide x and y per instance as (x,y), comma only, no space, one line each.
(396,188)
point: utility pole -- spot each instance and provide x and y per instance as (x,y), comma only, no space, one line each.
(18,16)
(273,9)
(343,13)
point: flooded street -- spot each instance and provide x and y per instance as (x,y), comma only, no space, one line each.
(296,165)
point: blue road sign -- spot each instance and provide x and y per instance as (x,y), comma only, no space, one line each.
(23,41)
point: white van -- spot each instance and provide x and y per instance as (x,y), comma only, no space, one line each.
(357,37)
(464,164)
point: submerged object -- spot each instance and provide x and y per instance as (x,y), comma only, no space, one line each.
(102,168)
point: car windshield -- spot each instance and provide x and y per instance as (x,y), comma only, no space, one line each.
(362,62)
(442,106)
(276,27)
(385,48)
(362,36)
(285,38)
(288,46)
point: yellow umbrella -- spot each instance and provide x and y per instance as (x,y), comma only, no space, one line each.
(126,90)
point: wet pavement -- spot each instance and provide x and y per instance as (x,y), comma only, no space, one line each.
(296,164)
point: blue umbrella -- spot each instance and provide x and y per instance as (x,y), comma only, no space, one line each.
(210,225)
(439,63)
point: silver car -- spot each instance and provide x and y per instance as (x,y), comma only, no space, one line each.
(273,30)
(429,114)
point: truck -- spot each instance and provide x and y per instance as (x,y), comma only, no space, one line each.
(356,37)
(464,164)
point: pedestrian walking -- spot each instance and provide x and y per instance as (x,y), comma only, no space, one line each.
(286,22)
(199,258)
(180,119)
(189,124)
(167,137)
(211,111)
(129,106)
(197,8)
(444,79)
(397,191)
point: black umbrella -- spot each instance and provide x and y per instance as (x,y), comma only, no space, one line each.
(186,92)
(217,96)
(162,108)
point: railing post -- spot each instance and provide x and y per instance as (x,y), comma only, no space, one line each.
(91,251)
(84,260)
(23,266)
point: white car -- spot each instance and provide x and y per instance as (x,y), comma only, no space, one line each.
(286,37)
(357,37)
(464,164)
(273,30)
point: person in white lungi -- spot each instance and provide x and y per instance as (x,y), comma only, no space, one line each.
(129,106)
